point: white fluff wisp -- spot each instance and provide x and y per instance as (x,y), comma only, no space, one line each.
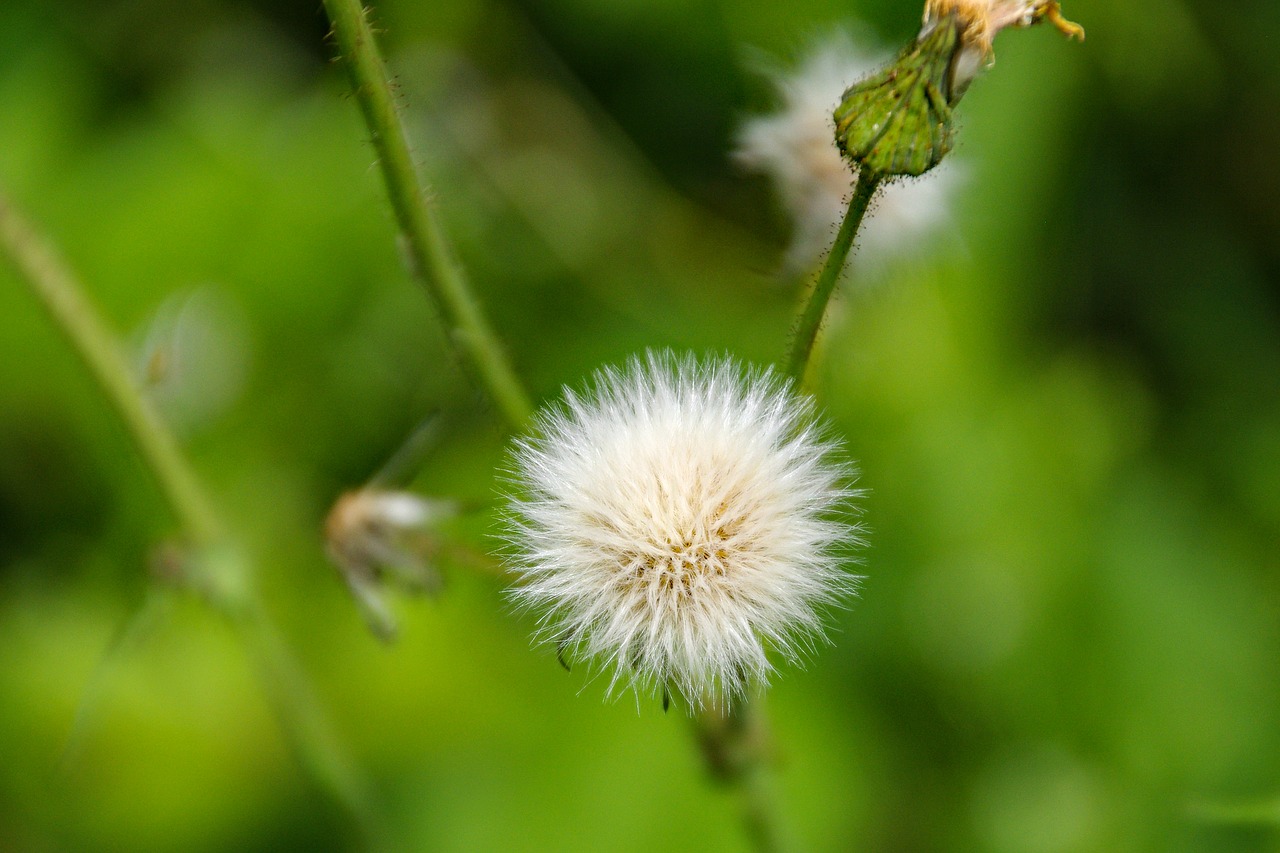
(679,520)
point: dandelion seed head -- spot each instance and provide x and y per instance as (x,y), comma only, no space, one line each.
(679,520)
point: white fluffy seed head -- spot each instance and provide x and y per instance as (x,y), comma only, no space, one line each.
(679,520)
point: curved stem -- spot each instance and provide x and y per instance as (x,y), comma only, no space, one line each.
(216,569)
(39,265)
(815,307)
(433,259)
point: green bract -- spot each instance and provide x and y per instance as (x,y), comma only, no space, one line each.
(898,121)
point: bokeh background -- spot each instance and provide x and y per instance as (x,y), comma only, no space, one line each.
(1066,409)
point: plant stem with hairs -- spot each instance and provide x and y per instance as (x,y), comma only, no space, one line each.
(736,744)
(434,262)
(214,567)
(815,307)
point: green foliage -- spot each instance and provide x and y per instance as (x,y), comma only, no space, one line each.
(1066,417)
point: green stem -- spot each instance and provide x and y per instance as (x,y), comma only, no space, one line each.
(38,264)
(216,569)
(433,258)
(307,727)
(760,810)
(815,308)
(736,746)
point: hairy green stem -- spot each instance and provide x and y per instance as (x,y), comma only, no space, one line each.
(433,259)
(815,308)
(215,568)
(736,746)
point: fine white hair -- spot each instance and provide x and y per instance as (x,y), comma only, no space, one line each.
(678,520)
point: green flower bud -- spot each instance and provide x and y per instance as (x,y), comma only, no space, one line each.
(899,120)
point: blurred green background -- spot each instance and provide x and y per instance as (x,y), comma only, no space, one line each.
(1066,411)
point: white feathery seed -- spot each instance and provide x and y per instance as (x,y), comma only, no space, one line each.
(679,520)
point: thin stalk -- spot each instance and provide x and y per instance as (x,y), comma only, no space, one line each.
(307,727)
(433,259)
(815,307)
(736,746)
(40,267)
(217,571)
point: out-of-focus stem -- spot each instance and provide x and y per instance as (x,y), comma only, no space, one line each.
(815,307)
(736,745)
(40,267)
(305,724)
(434,261)
(216,569)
